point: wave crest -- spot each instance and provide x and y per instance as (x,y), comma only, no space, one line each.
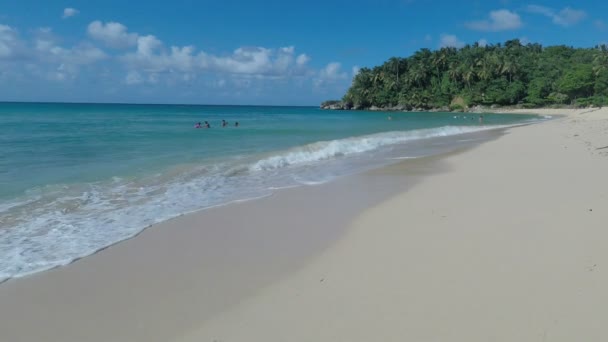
(324,150)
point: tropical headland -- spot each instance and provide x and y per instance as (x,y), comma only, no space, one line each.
(480,78)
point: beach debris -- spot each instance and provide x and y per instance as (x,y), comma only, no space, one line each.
(601,148)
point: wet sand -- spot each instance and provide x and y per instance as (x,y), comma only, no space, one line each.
(176,275)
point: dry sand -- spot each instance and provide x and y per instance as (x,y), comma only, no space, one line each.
(509,245)
(176,275)
(504,242)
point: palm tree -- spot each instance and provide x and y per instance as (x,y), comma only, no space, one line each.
(600,60)
(418,74)
(509,68)
(394,66)
(377,78)
(454,71)
(468,74)
(439,60)
(485,68)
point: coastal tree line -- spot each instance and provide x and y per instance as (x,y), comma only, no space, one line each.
(503,74)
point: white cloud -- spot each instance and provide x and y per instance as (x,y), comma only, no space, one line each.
(69,12)
(599,24)
(146,45)
(44,40)
(288,50)
(355,70)
(500,20)
(450,40)
(112,34)
(331,73)
(285,57)
(147,60)
(566,17)
(302,59)
(482,42)
(71,60)
(82,54)
(569,16)
(250,60)
(152,56)
(43,56)
(8,41)
(253,60)
(48,49)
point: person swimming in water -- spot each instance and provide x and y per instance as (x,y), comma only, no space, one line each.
(236,124)
(198,125)
(224,123)
(207,125)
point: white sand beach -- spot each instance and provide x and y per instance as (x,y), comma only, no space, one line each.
(508,245)
(502,242)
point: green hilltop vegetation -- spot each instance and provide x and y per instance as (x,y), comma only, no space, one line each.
(494,75)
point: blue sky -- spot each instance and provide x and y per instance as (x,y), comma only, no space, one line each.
(250,52)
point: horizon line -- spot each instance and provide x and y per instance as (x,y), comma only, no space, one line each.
(149,104)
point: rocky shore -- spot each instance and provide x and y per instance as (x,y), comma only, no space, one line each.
(340,105)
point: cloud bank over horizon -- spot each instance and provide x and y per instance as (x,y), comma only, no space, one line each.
(128,59)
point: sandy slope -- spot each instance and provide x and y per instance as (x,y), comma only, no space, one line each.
(508,245)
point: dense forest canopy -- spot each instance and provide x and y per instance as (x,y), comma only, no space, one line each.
(504,74)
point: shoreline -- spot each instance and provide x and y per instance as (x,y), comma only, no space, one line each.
(416,147)
(520,258)
(196,265)
(226,273)
(484,110)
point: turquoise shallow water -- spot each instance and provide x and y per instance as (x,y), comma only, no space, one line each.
(75,178)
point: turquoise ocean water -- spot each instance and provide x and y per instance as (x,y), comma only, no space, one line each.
(75,178)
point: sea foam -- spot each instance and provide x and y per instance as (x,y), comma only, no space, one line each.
(324,150)
(55,225)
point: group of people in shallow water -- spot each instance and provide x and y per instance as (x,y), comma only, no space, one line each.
(471,117)
(207,125)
